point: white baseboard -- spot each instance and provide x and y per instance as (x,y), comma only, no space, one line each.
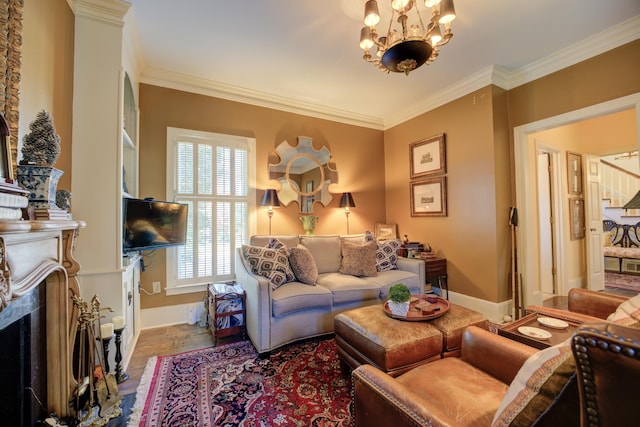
(171,315)
(494,311)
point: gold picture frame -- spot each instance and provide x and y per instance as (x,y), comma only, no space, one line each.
(576,218)
(429,197)
(574,172)
(386,231)
(428,157)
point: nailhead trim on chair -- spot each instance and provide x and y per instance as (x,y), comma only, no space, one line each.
(582,346)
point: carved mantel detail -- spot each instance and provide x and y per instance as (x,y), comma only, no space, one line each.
(35,252)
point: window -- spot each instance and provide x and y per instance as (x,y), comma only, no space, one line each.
(214,175)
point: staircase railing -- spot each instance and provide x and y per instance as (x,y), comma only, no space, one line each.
(618,186)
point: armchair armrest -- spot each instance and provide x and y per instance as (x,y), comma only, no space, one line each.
(257,303)
(592,303)
(496,355)
(413,265)
(380,400)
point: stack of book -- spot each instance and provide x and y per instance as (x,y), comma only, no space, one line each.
(12,201)
(51,214)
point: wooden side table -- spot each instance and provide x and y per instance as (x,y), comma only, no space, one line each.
(436,274)
(227,313)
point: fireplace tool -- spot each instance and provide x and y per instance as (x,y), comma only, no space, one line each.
(96,395)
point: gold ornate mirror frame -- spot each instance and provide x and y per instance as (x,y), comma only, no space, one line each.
(10,62)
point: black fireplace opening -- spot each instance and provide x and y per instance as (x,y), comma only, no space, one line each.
(23,360)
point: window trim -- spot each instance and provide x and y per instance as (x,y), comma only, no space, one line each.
(175,135)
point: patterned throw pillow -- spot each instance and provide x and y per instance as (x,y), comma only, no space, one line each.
(303,265)
(358,259)
(270,263)
(386,252)
(540,381)
(276,244)
(627,313)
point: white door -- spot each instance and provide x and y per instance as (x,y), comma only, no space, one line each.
(593,222)
(545,215)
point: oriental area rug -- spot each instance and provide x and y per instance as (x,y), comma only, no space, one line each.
(629,282)
(230,385)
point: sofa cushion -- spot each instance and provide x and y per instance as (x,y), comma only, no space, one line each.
(627,313)
(386,253)
(289,240)
(296,296)
(358,259)
(539,383)
(270,263)
(386,279)
(325,251)
(346,288)
(303,265)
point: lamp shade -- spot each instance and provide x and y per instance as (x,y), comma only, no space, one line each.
(270,198)
(634,203)
(346,201)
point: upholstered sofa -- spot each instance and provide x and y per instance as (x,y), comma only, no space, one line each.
(293,310)
(621,244)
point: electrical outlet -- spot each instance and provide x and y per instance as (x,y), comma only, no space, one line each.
(156,287)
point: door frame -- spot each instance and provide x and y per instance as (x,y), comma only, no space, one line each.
(525,154)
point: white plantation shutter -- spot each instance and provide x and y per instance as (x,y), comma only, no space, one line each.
(211,173)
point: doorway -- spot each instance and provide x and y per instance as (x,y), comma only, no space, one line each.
(529,246)
(546,235)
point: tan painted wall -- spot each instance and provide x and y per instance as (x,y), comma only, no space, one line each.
(47,72)
(358,154)
(472,237)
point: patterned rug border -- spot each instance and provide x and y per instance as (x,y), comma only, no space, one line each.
(245,388)
(150,376)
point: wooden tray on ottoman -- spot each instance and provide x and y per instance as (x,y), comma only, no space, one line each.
(556,336)
(435,307)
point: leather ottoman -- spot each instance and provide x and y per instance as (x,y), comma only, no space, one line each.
(368,336)
(453,324)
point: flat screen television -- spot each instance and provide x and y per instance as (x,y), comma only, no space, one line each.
(152,224)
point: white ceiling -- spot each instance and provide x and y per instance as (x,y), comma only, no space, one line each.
(303,55)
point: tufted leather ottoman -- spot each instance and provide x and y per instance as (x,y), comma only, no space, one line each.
(453,324)
(368,335)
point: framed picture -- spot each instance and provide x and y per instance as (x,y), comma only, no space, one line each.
(429,197)
(386,231)
(576,215)
(427,157)
(574,172)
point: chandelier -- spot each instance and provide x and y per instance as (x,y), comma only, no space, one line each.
(405,46)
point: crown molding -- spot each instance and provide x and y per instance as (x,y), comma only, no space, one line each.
(597,44)
(179,81)
(106,11)
(507,79)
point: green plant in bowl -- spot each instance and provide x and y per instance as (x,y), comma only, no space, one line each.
(399,293)
(399,299)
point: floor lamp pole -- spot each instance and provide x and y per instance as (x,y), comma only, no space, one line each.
(346,212)
(270,214)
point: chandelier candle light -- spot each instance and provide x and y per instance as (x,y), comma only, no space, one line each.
(406,46)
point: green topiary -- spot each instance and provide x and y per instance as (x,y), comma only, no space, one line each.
(41,145)
(399,293)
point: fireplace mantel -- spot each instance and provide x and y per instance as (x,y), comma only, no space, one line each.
(33,252)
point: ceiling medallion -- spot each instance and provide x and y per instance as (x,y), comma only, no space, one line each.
(406,46)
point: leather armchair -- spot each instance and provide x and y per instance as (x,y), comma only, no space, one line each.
(447,392)
(608,364)
(584,306)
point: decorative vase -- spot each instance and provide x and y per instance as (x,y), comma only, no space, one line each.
(41,182)
(309,223)
(399,308)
